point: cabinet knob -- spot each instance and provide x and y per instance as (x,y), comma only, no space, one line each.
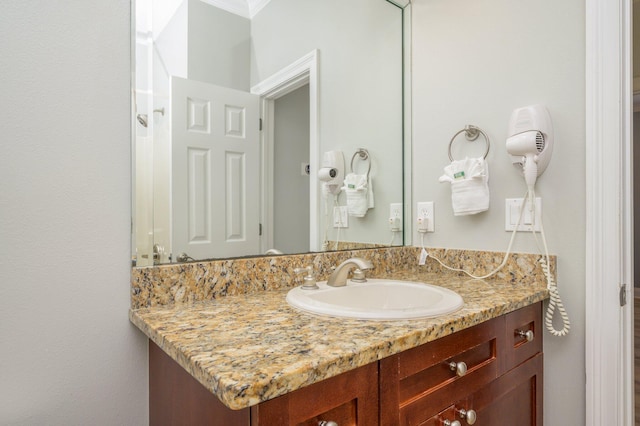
(526,334)
(327,423)
(451,423)
(459,367)
(469,415)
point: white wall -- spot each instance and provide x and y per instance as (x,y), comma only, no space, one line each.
(69,355)
(219,46)
(474,62)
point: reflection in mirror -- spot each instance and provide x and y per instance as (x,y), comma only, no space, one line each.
(251,127)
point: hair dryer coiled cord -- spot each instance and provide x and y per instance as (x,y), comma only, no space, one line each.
(554,302)
(554,296)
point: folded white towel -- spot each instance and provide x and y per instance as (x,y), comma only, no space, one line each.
(469,180)
(359,194)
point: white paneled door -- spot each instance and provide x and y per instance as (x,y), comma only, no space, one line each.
(215,157)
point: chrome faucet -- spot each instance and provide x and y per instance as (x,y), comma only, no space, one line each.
(338,277)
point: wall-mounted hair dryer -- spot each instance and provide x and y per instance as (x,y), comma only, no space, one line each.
(530,141)
(530,144)
(332,171)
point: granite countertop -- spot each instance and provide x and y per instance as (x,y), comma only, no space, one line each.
(251,348)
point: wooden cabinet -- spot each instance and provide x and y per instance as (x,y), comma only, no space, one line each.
(490,370)
(176,398)
(502,383)
(348,399)
(514,398)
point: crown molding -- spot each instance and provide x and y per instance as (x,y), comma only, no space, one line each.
(256,6)
(237,7)
(245,8)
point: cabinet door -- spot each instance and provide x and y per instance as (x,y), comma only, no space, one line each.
(523,337)
(417,384)
(176,398)
(348,399)
(513,399)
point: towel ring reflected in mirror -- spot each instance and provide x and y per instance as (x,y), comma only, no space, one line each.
(471,133)
(363,154)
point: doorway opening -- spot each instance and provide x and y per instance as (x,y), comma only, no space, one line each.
(299,74)
(291,172)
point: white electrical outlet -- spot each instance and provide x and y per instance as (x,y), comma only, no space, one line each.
(529,222)
(340,217)
(425,217)
(395,217)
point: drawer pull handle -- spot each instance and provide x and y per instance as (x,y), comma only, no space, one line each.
(526,334)
(451,423)
(469,415)
(327,423)
(459,367)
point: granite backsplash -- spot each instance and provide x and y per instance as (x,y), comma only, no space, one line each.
(212,279)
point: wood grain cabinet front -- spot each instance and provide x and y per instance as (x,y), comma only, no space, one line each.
(348,399)
(515,398)
(501,384)
(488,374)
(417,384)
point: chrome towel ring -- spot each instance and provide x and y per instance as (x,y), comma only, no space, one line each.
(471,133)
(363,154)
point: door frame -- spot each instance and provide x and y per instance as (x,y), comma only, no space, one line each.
(609,254)
(299,73)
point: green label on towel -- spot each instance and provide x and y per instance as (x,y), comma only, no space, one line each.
(351,186)
(459,175)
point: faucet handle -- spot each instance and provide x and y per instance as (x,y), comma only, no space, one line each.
(309,280)
(308,269)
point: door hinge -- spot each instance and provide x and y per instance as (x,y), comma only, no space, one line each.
(623,295)
(260,229)
(260,125)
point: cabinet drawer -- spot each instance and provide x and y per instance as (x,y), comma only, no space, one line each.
(418,383)
(517,348)
(512,399)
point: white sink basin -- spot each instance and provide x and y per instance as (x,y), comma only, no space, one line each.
(377,300)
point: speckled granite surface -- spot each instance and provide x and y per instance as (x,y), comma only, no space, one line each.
(198,281)
(253,347)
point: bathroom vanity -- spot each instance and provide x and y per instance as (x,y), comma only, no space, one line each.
(488,374)
(253,360)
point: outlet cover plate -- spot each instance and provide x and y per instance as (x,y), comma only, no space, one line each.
(395,211)
(512,213)
(425,210)
(340,217)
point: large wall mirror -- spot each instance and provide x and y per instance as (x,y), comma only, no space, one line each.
(267,127)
